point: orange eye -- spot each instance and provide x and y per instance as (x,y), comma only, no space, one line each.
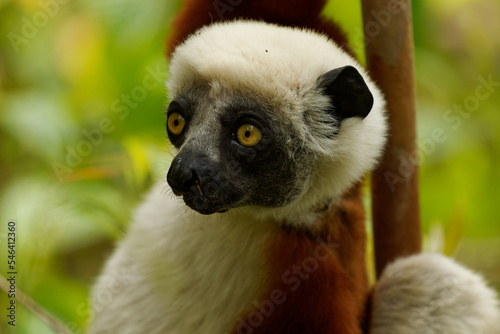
(176,123)
(248,135)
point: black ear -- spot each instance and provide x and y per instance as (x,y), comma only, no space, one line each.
(348,91)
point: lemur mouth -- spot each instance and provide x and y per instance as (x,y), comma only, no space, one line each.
(204,204)
(200,203)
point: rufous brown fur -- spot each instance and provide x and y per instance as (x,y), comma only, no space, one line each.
(297,13)
(317,281)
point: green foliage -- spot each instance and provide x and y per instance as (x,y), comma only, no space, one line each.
(82,100)
(82,135)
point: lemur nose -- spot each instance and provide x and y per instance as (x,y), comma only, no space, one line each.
(183,177)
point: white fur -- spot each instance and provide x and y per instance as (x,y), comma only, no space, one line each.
(180,272)
(431,294)
(283,64)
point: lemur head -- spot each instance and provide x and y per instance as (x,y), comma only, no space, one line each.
(270,120)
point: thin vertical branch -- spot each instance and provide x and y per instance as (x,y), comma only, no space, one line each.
(395,203)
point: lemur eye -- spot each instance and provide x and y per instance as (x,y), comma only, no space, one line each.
(248,135)
(176,123)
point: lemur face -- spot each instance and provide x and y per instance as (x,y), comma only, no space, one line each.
(256,124)
(233,151)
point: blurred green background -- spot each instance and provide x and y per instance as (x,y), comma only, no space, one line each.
(82,134)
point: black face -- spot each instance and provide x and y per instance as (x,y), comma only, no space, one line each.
(233,159)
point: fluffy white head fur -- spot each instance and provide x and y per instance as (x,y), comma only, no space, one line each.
(282,65)
(432,294)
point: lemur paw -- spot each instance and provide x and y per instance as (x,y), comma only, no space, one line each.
(432,294)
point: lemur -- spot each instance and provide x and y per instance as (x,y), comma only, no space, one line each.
(259,227)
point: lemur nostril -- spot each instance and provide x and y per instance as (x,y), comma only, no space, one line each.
(194,182)
(197,183)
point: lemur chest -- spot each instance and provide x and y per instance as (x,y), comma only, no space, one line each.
(204,272)
(245,277)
